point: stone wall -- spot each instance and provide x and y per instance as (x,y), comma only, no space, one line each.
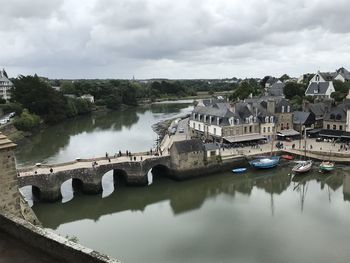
(9,194)
(50,243)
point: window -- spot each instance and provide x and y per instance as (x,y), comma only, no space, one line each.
(334,127)
(340,127)
(217,121)
(281,126)
(282,109)
(264,129)
(250,129)
(199,127)
(205,118)
(328,127)
(287,126)
(194,125)
(214,131)
(254,119)
(266,119)
(199,117)
(268,129)
(317,77)
(288,108)
(271,119)
(245,129)
(210,119)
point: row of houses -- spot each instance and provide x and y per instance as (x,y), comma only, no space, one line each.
(249,120)
(5,86)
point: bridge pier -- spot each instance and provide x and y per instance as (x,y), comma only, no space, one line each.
(51,194)
(92,188)
(137,180)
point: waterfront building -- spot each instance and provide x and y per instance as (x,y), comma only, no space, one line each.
(250,120)
(302,119)
(5,86)
(188,154)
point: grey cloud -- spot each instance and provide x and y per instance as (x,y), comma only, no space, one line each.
(207,38)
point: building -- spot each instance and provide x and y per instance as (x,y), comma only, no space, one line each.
(276,89)
(336,117)
(187,155)
(5,86)
(250,120)
(88,97)
(302,119)
(342,74)
(319,110)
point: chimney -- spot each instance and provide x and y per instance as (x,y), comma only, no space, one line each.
(306,106)
(271,104)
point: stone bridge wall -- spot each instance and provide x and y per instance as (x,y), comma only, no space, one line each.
(91,178)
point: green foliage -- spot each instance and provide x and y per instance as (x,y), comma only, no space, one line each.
(113,102)
(2,101)
(284,77)
(297,102)
(12,107)
(341,90)
(38,97)
(293,89)
(245,88)
(27,121)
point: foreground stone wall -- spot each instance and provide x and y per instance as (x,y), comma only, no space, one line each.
(9,194)
(50,243)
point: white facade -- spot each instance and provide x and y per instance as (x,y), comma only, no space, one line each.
(210,129)
(88,97)
(5,86)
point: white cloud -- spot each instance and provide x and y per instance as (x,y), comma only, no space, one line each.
(175,39)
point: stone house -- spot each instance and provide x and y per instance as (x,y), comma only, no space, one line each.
(276,89)
(303,119)
(187,155)
(336,117)
(342,74)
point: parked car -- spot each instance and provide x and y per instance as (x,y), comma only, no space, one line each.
(319,139)
(12,114)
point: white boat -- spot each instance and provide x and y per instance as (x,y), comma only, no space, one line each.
(327,166)
(302,167)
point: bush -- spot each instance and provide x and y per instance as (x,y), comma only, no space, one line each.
(27,121)
(12,107)
(2,101)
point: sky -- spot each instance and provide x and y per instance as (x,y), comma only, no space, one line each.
(173,39)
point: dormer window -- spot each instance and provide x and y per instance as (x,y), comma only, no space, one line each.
(199,117)
(282,109)
(317,78)
(288,108)
(254,119)
(205,118)
(237,121)
(266,119)
(271,119)
(217,121)
(210,119)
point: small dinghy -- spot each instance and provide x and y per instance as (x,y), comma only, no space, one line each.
(287,157)
(239,170)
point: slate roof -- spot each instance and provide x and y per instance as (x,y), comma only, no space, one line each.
(211,146)
(318,109)
(188,146)
(276,89)
(328,76)
(344,72)
(319,88)
(338,113)
(300,117)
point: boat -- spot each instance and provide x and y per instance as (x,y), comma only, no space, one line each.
(287,157)
(265,163)
(239,170)
(302,167)
(327,166)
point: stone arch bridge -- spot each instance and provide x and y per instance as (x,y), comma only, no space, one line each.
(90,177)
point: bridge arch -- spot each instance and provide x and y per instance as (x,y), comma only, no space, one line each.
(31,193)
(70,187)
(157,172)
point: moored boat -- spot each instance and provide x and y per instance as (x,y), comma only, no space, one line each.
(239,170)
(265,163)
(327,166)
(302,167)
(287,157)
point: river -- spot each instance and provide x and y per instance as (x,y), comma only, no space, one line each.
(264,216)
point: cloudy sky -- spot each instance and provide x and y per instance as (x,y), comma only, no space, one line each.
(173,39)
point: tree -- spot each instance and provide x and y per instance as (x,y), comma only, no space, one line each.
(341,90)
(38,97)
(284,77)
(292,89)
(27,121)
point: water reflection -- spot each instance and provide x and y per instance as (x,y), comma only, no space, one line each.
(93,135)
(213,219)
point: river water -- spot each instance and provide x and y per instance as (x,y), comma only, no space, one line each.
(259,216)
